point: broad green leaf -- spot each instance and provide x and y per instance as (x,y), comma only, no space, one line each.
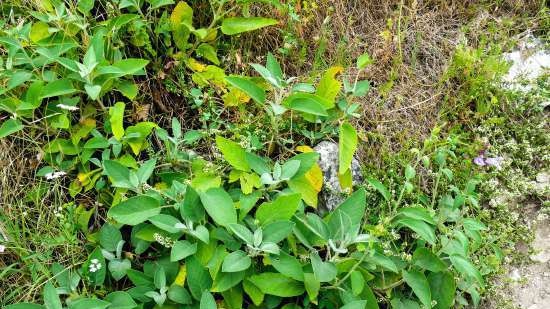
(51,299)
(127,88)
(277,284)
(276,231)
(324,271)
(155,4)
(57,88)
(236,261)
(443,288)
(417,213)
(424,230)
(329,86)
(135,210)
(118,174)
(39,31)
(180,21)
(312,286)
(165,222)
(274,67)
(346,147)
(120,300)
(233,153)
(96,142)
(282,208)
(242,232)
(89,303)
(306,189)
(466,268)
(129,66)
(25,306)
(207,301)
(219,206)
(116,118)
(357,282)
(249,87)
(208,52)
(136,135)
(109,237)
(236,25)
(424,258)
(198,277)
(10,126)
(307,103)
(192,208)
(182,249)
(255,294)
(363,61)
(355,304)
(402,303)
(119,268)
(93,91)
(362,87)
(288,266)
(353,207)
(85,6)
(420,286)
(264,72)
(179,294)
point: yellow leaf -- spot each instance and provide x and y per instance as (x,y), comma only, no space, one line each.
(305,188)
(329,86)
(195,65)
(346,181)
(182,274)
(181,20)
(39,31)
(315,177)
(235,97)
(304,148)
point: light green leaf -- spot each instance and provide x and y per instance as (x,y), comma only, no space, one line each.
(233,153)
(277,284)
(129,66)
(357,282)
(165,222)
(127,88)
(10,126)
(155,4)
(324,271)
(39,31)
(346,147)
(466,268)
(57,88)
(236,25)
(282,208)
(118,174)
(363,61)
(180,21)
(207,301)
(353,207)
(277,231)
(355,304)
(219,206)
(380,188)
(236,261)
(312,286)
(208,52)
(135,210)
(417,213)
(288,266)
(25,306)
(51,299)
(307,103)
(329,86)
(250,88)
(89,303)
(242,232)
(443,288)
(182,249)
(420,286)
(116,118)
(424,258)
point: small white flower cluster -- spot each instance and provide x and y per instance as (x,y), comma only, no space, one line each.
(58,212)
(54,175)
(167,242)
(94,265)
(2,248)
(67,107)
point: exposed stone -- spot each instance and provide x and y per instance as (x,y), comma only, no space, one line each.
(332,194)
(528,62)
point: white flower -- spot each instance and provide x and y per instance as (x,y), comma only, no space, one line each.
(2,248)
(94,265)
(54,175)
(67,107)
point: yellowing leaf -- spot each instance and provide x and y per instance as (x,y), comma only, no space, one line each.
(315,177)
(181,20)
(39,31)
(195,65)
(305,188)
(116,114)
(304,148)
(235,97)
(329,86)
(182,274)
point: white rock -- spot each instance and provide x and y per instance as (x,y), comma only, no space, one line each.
(528,62)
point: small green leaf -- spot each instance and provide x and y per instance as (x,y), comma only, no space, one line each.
(208,52)
(89,303)
(346,147)
(466,268)
(363,61)
(116,118)
(277,284)
(51,299)
(165,222)
(248,87)
(219,206)
(324,271)
(207,301)
(118,174)
(307,103)
(236,261)
(236,25)
(425,259)
(182,249)
(355,304)
(57,88)
(39,31)
(282,208)
(288,266)
(109,237)
(420,286)
(357,282)
(380,188)
(135,210)
(92,91)
(312,286)
(10,126)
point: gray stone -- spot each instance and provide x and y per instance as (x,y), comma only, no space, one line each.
(332,195)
